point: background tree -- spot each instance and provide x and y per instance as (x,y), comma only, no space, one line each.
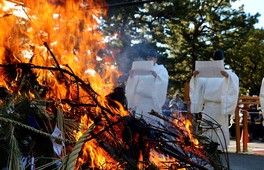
(185,31)
(249,62)
(197,30)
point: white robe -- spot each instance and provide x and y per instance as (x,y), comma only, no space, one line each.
(261,96)
(146,92)
(216,97)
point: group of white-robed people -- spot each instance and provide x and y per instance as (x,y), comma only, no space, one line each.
(215,97)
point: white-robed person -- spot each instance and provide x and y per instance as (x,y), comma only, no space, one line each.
(261,96)
(148,92)
(216,98)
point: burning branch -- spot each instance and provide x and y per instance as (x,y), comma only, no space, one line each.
(75,100)
(109,130)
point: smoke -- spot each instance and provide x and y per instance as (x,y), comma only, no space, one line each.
(126,57)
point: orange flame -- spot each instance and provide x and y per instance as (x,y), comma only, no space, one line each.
(66,35)
(71,31)
(185,125)
(93,153)
(162,161)
(61,34)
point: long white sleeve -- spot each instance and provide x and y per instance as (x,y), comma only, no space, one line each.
(160,85)
(197,87)
(231,93)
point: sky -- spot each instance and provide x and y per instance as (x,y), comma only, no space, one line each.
(252,7)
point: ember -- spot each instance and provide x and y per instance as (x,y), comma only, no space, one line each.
(58,106)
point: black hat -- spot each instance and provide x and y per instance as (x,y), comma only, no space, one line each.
(218,55)
(152,53)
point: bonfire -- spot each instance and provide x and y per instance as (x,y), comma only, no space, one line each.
(60,105)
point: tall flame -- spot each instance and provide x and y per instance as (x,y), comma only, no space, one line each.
(64,35)
(70,29)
